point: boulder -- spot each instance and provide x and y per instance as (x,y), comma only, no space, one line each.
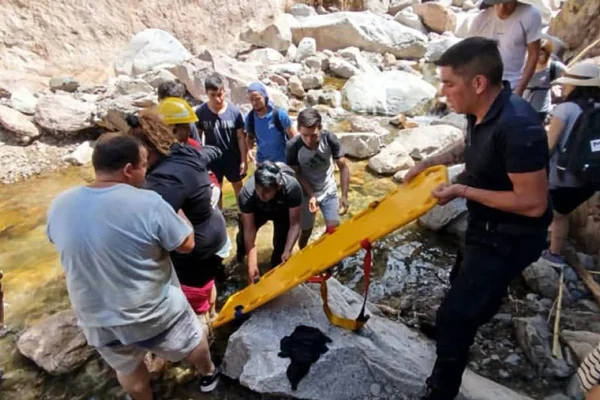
(365,30)
(437,47)
(454,119)
(440,216)
(63,113)
(362,124)
(408,18)
(315,63)
(290,54)
(398,5)
(387,93)
(376,6)
(342,68)
(276,35)
(18,125)
(295,86)
(306,48)
(57,353)
(265,56)
(581,342)
(23,101)
(331,98)
(391,159)
(279,98)
(385,360)
(302,10)
(360,144)
(65,84)
(158,77)
(542,278)
(353,55)
(534,337)
(150,49)
(436,17)
(312,81)
(111,111)
(321,10)
(124,85)
(585,15)
(287,70)
(82,154)
(423,141)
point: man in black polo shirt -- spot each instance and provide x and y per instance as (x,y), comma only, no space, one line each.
(506,187)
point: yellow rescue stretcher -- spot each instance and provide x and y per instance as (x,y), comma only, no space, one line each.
(402,206)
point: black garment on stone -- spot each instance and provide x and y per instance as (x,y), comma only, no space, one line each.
(304,347)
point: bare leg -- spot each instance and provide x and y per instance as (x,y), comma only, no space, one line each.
(200,357)
(237,187)
(137,384)
(560,231)
(213,301)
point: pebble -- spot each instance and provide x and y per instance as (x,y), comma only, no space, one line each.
(495,357)
(474,365)
(513,359)
(504,374)
(375,389)
(532,296)
(503,318)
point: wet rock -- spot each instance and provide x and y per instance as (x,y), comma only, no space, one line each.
(387,93)
(381,346)
(66,84)
(276,35)
(408,18)
(437,47)
(360,144)
(590,305)
(295,86)
(158,77)
(23,101)
(63,113)
(302,10)
(440,216)
(436,17)
(534,338)
(581,342)
(18,125)
(504,374)
(542,278)
(82,154)
(312,81)
(391,159)
(365,30)
(306,48)
(150,49)
(59,352)
(265,56)
(342,68)
(454,119)
(513,359)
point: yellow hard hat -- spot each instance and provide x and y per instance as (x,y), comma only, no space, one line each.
(174,110)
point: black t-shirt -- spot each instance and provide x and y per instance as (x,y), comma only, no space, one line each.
(220,130)
(510,139)
(182,180)
(288,196)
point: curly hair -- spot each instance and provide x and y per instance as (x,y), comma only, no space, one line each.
(153,132)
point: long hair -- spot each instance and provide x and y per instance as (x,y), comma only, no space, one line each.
(149,128)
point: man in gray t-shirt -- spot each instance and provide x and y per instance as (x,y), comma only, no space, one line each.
(114,241)
(312,154)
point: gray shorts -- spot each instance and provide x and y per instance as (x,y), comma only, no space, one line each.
(174,344)
(329,206)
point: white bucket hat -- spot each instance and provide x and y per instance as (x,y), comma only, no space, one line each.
(584,73)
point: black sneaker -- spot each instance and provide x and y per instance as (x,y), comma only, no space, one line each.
(208,383)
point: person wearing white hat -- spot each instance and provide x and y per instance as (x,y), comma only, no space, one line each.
(518,29)
(581,86)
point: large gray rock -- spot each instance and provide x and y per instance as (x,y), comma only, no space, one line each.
(342,68)
(287,70)
(436,16)
(386,360)
(306,48)
(302,11)
(63,113)
(82,154)
(362,124)
(56,344)
(398,5)
(410,19)
(581,342)
(360,144)
(265,56)
(23,101)
(18,125)
(124,85)
(533,336)
(440,216)
(376,6)
(387,93)
(437,47)
(65,84)
(365,30)
(454,119)
(353,55)
(391,159)
(542,278)
(312,81)
(295,86)
(426,140)
(276,35)
(111,111)
(157,77)
(148,50)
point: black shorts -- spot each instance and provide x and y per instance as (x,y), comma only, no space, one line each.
(227,167)
(566,199)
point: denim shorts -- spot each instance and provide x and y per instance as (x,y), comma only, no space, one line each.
(329,206)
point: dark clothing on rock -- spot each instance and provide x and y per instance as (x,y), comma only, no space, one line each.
(183,181)
(304,347)
(498,244)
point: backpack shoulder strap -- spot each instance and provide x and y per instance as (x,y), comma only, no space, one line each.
(277,120)
(251,123)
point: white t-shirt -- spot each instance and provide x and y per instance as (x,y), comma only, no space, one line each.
(522,27)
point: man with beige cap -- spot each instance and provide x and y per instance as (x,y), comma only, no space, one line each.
(518,29)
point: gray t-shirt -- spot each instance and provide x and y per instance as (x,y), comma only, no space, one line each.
(567,112)
(538,89)
(316,165)
(114,246)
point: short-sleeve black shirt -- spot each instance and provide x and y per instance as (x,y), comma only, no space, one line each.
(288,196)
(509,140)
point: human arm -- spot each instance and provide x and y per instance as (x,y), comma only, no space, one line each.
(340,160)
(188,244)
(453,154)
(250,244)
(533,53)
(293,233)
(173,231)
(555,131)
(250,137)
(286,123)
(211,153)
(531,24)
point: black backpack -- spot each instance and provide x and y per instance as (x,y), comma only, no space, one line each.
(581,153)
(276,120)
